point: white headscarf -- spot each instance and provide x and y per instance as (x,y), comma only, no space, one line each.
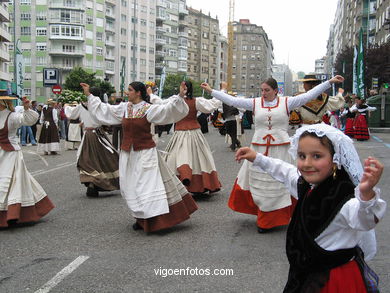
(345,153)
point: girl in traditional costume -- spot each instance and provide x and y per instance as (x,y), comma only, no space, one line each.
(255,192)
(331,233)
(188,154)
(97,159)
(49,140)
(154,195)
(22,199)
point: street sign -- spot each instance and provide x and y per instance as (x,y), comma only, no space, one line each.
(51,76)
(56,89)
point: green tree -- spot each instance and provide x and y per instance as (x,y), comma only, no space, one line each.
(76,76)
(377,64)
(344,67)
(172,84)
(105,87)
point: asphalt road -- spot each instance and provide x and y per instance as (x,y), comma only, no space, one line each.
(88,245)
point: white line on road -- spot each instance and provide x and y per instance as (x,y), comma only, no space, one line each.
(34,153)
(62,274)
(40,172)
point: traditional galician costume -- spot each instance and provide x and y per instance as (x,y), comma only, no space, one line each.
(313,111)
(255,192)
(350,121)
(360,125)
(154,195)
(74,133)
(49,140)
(331,233)
(188,152)
(97,158)
(22,199)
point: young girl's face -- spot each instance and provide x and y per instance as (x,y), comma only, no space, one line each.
(315,161)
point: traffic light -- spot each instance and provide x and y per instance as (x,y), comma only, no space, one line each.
(386,85)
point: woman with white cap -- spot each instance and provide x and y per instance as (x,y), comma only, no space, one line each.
(22,199)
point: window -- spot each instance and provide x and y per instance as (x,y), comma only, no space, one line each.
(123,17)
(143,22)
(25,16)
(25,31)
(69,48)
(41,31)
(25,2)
(41,60)
(99,51)
(142,61)
(123,31)
(99,36)
(142,49)
(89,19)
(41,46)
(143,35)
(40,15)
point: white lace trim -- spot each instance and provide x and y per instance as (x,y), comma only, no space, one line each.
(345,153)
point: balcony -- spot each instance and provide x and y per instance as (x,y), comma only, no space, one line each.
(77,5)
(161,3)
(5,36)
(63,37)
(113,2)
(4,56)
(182,58)
(160,53)
(160,29)
(5,76)
(109,71)
(183,10)
(183,34)
(4,14)
(159,65)
(110,28)
(161,41)
(61,52)
(109,57)
(110,43)
(110,14)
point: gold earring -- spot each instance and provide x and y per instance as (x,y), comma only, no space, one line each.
(334,171)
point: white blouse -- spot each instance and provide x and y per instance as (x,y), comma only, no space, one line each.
(292,102)
(79,112)
(16,120)
(353,225)
(171,111)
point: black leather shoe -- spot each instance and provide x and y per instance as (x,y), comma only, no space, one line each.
(92,192)
(136,226)
(262,230)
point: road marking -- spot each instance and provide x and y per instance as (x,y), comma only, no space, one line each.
(379,140)
(66,271)
(41,172)
(42,158)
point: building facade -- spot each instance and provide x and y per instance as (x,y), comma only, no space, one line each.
(5,39)
(171,36)
(382,23)
(284,77)
(203,43)
(320,65)
(102,36)
(252,58)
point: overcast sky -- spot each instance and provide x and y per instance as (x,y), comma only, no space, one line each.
(299,29)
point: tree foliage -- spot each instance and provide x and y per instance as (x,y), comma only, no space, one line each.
(377,64)
(78,75)
(172,85)
(344,67)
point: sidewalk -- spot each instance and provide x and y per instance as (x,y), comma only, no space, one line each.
(380,129)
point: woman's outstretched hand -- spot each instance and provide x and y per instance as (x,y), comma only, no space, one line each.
(372,173)
(336,79)
(245,153)
(206,87)
(85,89)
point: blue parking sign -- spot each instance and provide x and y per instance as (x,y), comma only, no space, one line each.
(51,76)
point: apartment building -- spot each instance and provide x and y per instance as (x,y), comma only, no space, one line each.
(382,23)
(203,44)
(252,58)
(5,38)
(102,36)
(171,36)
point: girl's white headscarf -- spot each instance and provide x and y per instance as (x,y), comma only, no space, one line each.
(345,153)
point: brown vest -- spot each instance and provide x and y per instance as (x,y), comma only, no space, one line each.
(190,121)
(136,133)
(5,144)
